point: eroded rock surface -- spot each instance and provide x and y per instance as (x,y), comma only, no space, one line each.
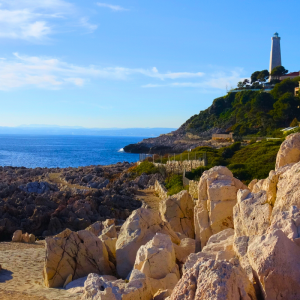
(178,210)
(76,253)
(139,229)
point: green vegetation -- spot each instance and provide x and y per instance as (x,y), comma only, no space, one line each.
(174,184)
(250,113)
(255,160)
(146,167)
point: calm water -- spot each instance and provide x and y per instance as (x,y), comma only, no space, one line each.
(33,151)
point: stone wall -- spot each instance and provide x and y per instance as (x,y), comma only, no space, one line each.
(160,190)
(179,166)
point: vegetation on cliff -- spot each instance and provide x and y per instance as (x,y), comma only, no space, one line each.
(250,112)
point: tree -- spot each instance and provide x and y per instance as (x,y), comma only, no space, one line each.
(263,76)
(294,123)
(254,76)
(246,82)
(240,85)
(279,71)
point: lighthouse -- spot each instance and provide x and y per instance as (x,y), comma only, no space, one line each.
(275,57)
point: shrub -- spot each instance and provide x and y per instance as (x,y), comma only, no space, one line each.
(146,167)
(174,184)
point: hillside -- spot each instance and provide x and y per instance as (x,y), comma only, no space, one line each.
(245,113)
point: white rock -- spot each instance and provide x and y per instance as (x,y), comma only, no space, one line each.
(17,236)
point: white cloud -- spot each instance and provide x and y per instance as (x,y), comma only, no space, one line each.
(220,80)
(52,73)
(36,20)
(112,7)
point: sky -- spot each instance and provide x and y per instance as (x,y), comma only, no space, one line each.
(132,63)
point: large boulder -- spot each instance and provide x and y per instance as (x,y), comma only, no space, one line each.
(157,261)
(101,288)
(217,197)
(139,228)
(289,151)
(214,280)
(252,213)
(178,210)
(275,260)
(187,246)
(76,253)
(218,247)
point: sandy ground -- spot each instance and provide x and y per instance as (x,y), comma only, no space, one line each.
(21,277)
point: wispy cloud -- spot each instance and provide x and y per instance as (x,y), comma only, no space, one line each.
(219,80)
(36,20)
(52,73)
(112,7)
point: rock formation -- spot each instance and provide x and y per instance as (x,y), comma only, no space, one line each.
(178,210)
(157,261)
(76,253)
(23,238)
(139,229)
(217,197)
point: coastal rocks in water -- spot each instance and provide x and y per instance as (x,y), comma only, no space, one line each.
(102,288)
(157,261)
(214,280)
(252,213)
(76,253)
(139,229)
(214,209)
(178,210)
(289,151)
(23,238)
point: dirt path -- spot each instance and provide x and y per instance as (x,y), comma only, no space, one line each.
(21,277)
(55,178)
(149,197)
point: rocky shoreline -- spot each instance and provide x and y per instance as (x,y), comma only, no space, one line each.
(46,201)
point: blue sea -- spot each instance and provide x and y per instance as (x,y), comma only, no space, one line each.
(33,151)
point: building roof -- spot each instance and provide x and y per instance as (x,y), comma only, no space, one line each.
(291,74)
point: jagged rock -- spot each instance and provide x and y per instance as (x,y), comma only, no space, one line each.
(68,280)
(214,280)
(251,184)
(139,229)
(157,261)
(37,187)
(17,237)
(218,247)
(103,227)
(289,151)
(252,213)
(275,260)
(110,244)
(178,210)
(77,286)
(187,246)
(288,222)
(76,253)
(99,288)
(214,209)
(288,189)
(162,294)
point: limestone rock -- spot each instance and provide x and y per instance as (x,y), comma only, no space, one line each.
(275,260)
(99,288)
(251,184)
(100,227)
(214,280)
(25,238)
(187,246)
(288,189)
(139,228)
(77,253)
(178,210)
(68,280)
(157,261)
(219,247)
(214,209)
(110,244)
(252,213)
(289,151)
(162,294)
(17,236)
(77,286)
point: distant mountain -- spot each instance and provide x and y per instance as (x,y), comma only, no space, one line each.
(65,130)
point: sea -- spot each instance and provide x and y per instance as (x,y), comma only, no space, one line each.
(32,151)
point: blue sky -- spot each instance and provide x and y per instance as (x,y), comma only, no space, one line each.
(133,63)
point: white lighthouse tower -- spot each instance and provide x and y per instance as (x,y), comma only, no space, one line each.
(275,58)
